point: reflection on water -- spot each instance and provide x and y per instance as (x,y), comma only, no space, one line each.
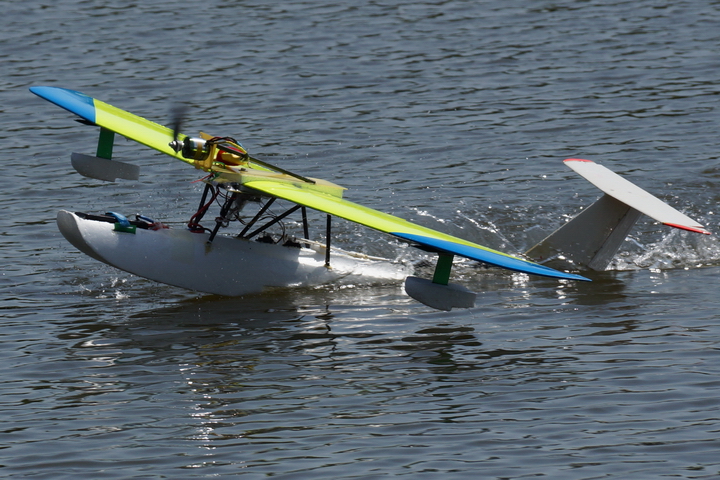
(292,382)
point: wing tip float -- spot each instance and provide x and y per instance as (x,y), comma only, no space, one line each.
(240,175)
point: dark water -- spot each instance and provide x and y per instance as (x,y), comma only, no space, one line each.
(456,114)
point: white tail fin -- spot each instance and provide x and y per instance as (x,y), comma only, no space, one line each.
(593,237)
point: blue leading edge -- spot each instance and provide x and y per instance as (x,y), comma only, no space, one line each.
(511,263)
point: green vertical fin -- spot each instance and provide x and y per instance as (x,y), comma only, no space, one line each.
(105,143)
(442,269)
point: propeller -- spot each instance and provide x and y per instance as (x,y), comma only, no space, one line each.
(192,148)
(177,114)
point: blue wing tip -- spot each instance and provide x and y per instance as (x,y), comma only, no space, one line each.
(493,258)
(44,90)
(573,276)
(75,102)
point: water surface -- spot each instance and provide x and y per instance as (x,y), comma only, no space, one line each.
(455,114)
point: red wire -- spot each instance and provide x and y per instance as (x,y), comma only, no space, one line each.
(193,224)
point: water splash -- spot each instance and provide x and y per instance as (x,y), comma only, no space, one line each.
(677,249)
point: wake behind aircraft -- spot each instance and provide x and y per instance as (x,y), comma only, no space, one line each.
(199,258)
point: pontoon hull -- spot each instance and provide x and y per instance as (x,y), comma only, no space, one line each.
(228,266)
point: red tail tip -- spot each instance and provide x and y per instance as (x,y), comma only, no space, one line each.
(689,229)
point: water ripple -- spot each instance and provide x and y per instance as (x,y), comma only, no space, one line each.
(452,113)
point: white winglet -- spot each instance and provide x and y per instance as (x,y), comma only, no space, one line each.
(632,195)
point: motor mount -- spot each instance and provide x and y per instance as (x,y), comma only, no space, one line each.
(191,148)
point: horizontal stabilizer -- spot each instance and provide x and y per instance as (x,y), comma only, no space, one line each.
(593,237)
(630,194)
(104,169)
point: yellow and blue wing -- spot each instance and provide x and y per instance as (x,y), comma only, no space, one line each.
(112,118)
(423,236)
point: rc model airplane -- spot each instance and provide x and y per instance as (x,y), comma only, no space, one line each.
(199,259)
